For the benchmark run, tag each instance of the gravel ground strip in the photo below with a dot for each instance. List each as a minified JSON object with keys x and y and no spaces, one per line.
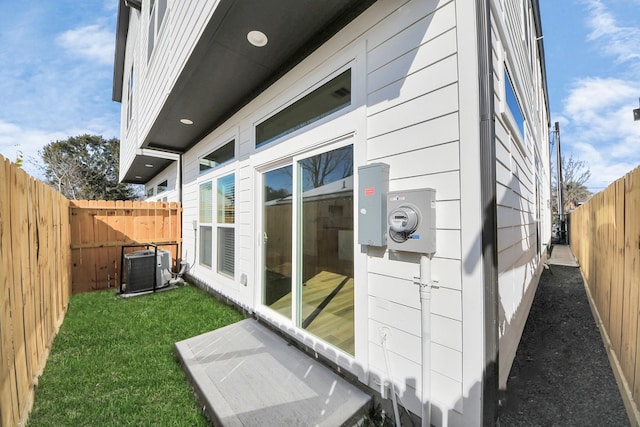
{"x":561,"y":375}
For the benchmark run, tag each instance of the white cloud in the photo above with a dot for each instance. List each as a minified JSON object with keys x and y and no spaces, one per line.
{"x":593,"y":95}
{"x":597,"y":123}
{"x":110,"y":5}
{"x":15,"y":139}
{"x":600,"y":129}
{"x":619,"y":41}
{"x":93,"y":42}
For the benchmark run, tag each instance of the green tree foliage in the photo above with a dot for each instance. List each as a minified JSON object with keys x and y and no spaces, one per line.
{"x":85,"y":168}
{"x":19,"y":159}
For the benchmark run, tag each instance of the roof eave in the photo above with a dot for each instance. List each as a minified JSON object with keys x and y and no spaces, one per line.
{"x":540,"y":43}
{"x":122,"y":30}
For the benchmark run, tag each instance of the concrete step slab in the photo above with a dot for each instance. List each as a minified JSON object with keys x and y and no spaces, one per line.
{"x":247,"y":375}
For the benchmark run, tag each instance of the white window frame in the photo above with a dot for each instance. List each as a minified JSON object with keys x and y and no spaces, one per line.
{"x":294,"y":321}
{"x":218,"y":224}
{"x":213,"y":176}
{"x":518,"y":135}
{"x":203,"y":223}
{"x":328,"y":118}
{"x":218,"y":147}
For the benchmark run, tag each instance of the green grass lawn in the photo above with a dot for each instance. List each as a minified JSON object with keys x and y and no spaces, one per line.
{"x":113,"y":363}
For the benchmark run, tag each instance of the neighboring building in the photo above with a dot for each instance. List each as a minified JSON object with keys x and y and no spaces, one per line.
{"x":262,"y":145}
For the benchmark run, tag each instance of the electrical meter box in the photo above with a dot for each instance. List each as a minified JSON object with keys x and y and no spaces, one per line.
{"x":411,"y":220}
{"x":373,"y":186}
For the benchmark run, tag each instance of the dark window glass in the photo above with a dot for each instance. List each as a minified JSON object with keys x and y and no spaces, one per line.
{"x":218,"y":157}
{"x":162,"y":187}
{"x":328,"y":98}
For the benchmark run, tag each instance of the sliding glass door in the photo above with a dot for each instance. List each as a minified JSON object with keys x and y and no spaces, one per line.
{"x":308,"y":244}
{"x":276,"y":239}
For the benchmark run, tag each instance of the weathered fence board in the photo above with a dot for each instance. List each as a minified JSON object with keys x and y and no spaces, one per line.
{"x":605,"y":237}
{"x":35,"y":282}
{"x":99,"y":229}
{"x":41,"y":235}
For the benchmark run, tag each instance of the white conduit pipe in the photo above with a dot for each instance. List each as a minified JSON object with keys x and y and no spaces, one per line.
{"x":383,"y":339}
{"x":425,"y":306}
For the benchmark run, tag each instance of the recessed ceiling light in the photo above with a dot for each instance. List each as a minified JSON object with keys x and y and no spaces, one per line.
{"x":149,"y":165}
{"x":186,"y":121}
{"x":138,"y":177}
{"x":257,"y":38}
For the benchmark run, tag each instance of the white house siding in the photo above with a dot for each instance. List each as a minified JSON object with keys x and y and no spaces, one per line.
{"x":414,"y":107}
{"x":519,"y":263}
{"x":183,"y":23}
{"x":169,"y":174}
{"x":413,"y":125}
{"x":128,"y":129}
{"x":405,"y":114}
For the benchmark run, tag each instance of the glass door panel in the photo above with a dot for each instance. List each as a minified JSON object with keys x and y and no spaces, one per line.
{"x":325,"y":246}
{"x":277,"y":239}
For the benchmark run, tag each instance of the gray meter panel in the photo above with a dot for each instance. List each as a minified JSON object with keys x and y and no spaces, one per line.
{"x":373,"y":186}
{"x":411,"y":220}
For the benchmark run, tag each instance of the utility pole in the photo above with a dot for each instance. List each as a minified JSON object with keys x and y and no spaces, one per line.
{"x":560,"y":185}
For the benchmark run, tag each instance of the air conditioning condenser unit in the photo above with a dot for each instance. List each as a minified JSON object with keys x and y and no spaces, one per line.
{"x":141,"y":268}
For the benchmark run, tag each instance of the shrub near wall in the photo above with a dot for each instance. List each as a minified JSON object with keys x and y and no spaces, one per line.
{"x":35,"y":284}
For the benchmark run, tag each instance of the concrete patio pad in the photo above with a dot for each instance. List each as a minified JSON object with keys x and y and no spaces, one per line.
{"x":247,"y":375}
{"x":562,"y":255}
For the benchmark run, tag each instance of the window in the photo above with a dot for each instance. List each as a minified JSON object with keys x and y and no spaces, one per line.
{"x":328,"y":98}
{"x":130,"y":99}
{"x":157,"y":10}
{"x":218,"y":157}
{"x":513,"y":104}
{"x":150,"y":192}
{"x":220,"y":228}
{"x":162,"y":187}
{"x":226,"y":199}
{"x":205,"y":217}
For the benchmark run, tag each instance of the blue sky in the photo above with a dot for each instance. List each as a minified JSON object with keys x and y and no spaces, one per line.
{"x":56,"y":76}
{"x":56,"y":70}
{"x":592,"y":51}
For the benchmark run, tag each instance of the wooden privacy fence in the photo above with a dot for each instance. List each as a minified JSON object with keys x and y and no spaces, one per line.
{"x":605,"y":238}
{"x":35,"y":284}
{"x":100,"y":228}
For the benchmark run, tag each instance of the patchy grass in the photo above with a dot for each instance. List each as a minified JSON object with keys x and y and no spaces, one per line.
{"x":113,"y":361}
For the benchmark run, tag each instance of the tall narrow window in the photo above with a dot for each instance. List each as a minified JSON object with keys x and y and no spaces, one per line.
{"x":328,"y":98}
{"x":157,"y":11}
{"x":513,"y":104}
{"x":226,"y":199}
{"x":130,"y":99}
{"x":205,"y":219}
